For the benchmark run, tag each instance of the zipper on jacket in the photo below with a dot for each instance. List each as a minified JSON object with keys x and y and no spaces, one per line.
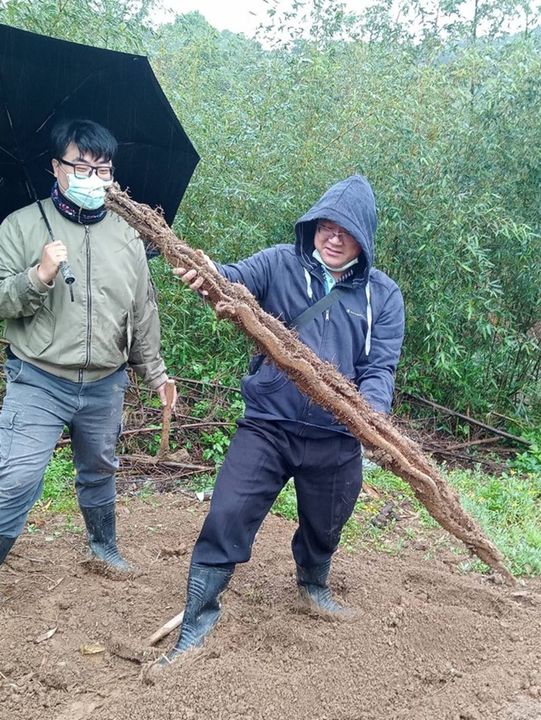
{"x":305,"y":413}
{"x":88,"y":299}
{"x":323,"y":338}
{"x":308,"y":403}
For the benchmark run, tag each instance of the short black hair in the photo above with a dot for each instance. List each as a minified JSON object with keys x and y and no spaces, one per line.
{"x":87,"y":135}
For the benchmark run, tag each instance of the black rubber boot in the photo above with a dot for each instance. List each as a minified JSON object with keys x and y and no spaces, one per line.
{"x":101,"y":528}
{"x":6,"y":543}
{"x":316,"y":594}
{"x":205,"y":585}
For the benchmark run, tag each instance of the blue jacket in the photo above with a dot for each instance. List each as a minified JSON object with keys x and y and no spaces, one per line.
{"x":361,"y":333}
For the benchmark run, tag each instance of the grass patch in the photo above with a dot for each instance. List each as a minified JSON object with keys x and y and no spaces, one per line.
{"x":58,"y":484}
{"x":508,"y":508}
{"x":285,"y":504}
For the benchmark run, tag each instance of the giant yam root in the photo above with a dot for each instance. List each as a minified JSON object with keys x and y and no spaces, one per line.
{"x":319,"y":380}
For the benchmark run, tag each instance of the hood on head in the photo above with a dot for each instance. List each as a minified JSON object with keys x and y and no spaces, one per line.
{"x":349,"y":203}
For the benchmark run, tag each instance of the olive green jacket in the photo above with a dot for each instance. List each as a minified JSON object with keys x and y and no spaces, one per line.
{"x":114,"y":317}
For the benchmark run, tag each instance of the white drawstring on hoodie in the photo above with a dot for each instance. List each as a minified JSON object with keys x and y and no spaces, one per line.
{"x":368,"y":340}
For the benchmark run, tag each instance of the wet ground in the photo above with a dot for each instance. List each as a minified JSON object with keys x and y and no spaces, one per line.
{"x":428,"y":643}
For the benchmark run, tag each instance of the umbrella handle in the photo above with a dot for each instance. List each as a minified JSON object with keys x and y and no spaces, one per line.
{"x":69,"y":277}
{"x":67,"y":272}
{"x":65,"y":269}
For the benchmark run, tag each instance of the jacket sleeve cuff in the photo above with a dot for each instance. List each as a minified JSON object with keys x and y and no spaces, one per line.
{"x":155,"y":383}
{"x":36,"y":283}
{"x":376,"y":404}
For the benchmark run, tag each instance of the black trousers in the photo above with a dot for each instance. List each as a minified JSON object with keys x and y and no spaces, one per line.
{"x":262,"y":457}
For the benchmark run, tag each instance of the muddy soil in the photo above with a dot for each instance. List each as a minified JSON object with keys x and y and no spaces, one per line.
{"x":428,"y":643}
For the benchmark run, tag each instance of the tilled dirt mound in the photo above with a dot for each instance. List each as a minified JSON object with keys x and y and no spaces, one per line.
{"x":429,"y":644}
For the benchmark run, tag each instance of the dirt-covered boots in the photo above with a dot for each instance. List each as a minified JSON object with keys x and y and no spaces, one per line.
{"x":6,"y":543}
{"x":101,"y":528}
{"x":315,"y":593}
{"x":205,"y":585}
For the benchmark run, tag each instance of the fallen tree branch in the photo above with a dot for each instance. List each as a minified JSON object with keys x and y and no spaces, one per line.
{"x":319,"y":380}
{"x":156,"y":428}
{"x":155,"y":460}
{"x":466,"y":418}
{"x":191,"y":381}
{"x":472,"y":443}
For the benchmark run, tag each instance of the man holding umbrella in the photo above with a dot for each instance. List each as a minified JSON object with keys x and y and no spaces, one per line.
{"x":68,"y":351}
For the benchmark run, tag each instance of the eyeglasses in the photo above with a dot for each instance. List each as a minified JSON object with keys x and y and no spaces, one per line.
{"x":80,"y":170}
{"x":328,"y":232}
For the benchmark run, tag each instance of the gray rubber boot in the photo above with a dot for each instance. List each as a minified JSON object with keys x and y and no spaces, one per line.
{"x":205,"y":585}
{"x":6,"y":543}
{"x":101,"y":528}
{"x":316,"y":594}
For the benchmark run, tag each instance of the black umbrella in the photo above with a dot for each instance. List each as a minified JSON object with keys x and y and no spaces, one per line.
{"x":43,"y":80}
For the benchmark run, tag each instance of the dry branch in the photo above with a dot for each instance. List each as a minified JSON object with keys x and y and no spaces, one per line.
{"x":319,"y":380}
{"x":164,"y":630}
{"x":468,"y":419}
{"x":166,"y":421}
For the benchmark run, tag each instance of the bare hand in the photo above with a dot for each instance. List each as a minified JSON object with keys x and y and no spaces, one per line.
{"x":162,"y":392}
{"x":190,"y":278}
{"x":53,"y":254}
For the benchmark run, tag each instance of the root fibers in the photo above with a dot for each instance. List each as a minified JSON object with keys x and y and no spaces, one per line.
{"x":319,"y":380}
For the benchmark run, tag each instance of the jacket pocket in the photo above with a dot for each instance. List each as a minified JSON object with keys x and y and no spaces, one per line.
{"x":267,"y":379}
{"x":122,"y":332}
{"x":7,"y":422}
{"x":129,"y":329}
{"x":41,"y":331}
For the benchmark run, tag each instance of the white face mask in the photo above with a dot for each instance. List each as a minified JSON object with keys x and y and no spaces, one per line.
{"x":320,"y":260}
{"x":87,"y":193}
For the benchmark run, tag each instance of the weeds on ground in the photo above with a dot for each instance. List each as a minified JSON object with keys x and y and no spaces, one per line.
{"x":508,"y":508}
{"x":285,"y":504}
{"x":215,"y":445}
{"x":58,"y":484}
{"x":359,"y":530}
{"x":529,"y":462}
{"x":58,"y":495}
{"x":202,"y":482}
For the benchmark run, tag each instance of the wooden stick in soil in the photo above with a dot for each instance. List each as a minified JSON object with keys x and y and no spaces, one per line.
{"x":164,"y":630}
{"x":166,"y":418}
{"x":142,"y":652}
{"x":317,"y":379}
